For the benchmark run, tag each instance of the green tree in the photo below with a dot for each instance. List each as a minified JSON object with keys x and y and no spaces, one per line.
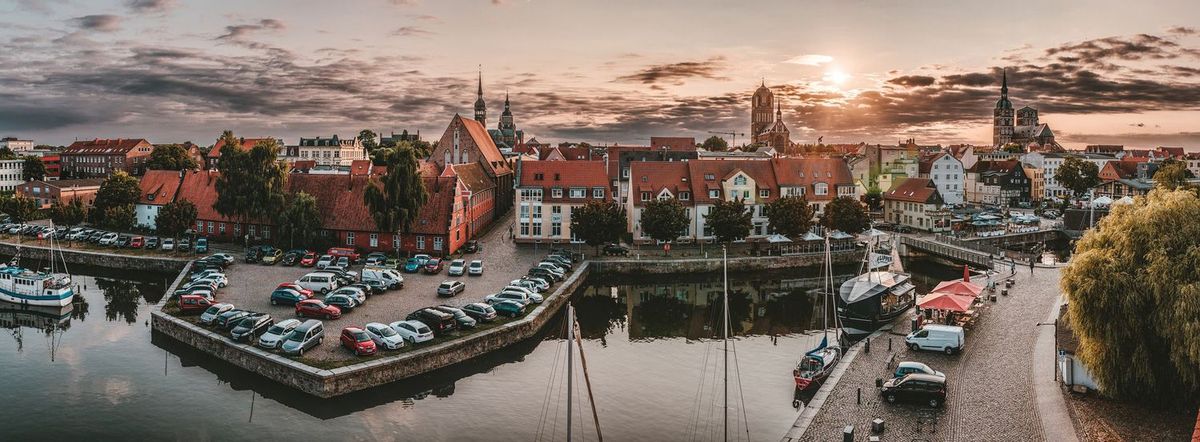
{"x":119,"y":217}
{"x":397,"y":197}
{"x":170,"y":157}
{"x":300,"y":221}
{"x":368,"y":140}
{"x":1133,"y":287}
{"x":175,"y":218}
{"x":1013,"y":148}
{"x":728,"y":220}
{"x":252,"y":182}
{"x":20,"y":208}
{"x":664,"y":219}
{"x":118,"y":190}
{"x":845,"y":214}
{"x":33,"y":168}
{"x":790,"y":216}
{"x":69,"y":214}
{"x":715,"y":144}
{"x":7,"y":154}
{"x":874,"y":198}
{"x":1078,"y":175}
{"x":598,"y":222}
{"x":1172,"y":175}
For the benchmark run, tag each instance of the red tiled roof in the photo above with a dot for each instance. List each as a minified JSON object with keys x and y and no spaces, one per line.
{"x":360,"y":167}
{"x":673,"y":143}
{"x":473,"y":176}
{"x":805,"y":172}
{"x":200,"y":187}
{"x":913,"y":190}
{"x":1173,"y":152}
{"x":304,"y":165}
{"x":565,"y":174}
{"x":159,"y":187}
{"x":244,"y":144}
{"x":98,"y":146}
{"x":340,"y":200}
{"x":654,"y":176}
{"x":993,"y":166}
{"x":1124,"y":169}
{"x":762,"y":172}
{"x":496,"y":164}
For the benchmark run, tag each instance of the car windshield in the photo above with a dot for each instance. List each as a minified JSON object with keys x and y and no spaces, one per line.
{"x":386,"y":332}
{"x":295,"y":336}
{"x":248,"y":321}
{"x":277,"y":329}
{"x":476,"y":264}
{"x":360,"y":336}
{"x":446,"y":285}
{"x":213,"y":310}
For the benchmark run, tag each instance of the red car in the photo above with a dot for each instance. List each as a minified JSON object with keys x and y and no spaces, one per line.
{"x":193,"y":303}
{"x":433,"y":266}
{"x":137,"y":242}
{"x":315,"y":308}
{"x":309,"y":259}
{"x":358,"y":341}
{"x":337,"y":252}
{"x":291,"y":285}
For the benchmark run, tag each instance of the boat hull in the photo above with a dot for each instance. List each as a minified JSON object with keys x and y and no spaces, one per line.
{"x":59,"y":299}
{"x":856,"y":325}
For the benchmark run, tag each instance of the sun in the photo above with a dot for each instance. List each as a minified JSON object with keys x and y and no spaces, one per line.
{"x":836,"y":77}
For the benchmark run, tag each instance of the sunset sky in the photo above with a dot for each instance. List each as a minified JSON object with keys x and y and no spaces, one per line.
{"x":611,"y":71}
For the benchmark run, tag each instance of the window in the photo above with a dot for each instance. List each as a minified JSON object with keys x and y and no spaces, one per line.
{"x":221,"y":228}
{"x":437,"y":243}
{"x":537,"y":229}
{"x":597,"y":192}
{"x":350,"y":238}
{"x":524,"y":228}
{"x":624,"y":172}
{"x":252,"y":231}
{"x":714,"y":193}
{"x":210,"y":227}
{"x":645,"y":196}
{"x":739,"y":180}
{"x":556,"y":229}
{"x":764,"y":193}
{"x":556,"y":193}
{"x":267,"y":232}
{"x":821,"y":189}
{"x":684,"y":196}
{"x":420,"y":242}
{"x":578,"y":192}
{"x":374,"y":240}
{"x":537,"y":212}
{"x":709,"y":177}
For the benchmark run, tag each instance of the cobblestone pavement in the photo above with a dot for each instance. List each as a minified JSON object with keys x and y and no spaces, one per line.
{"x":990,"y":393}
{"x":250,"y":287}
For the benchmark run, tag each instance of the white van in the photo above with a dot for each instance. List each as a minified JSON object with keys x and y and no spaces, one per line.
{"x":946,"y":338}
{"x":318,"y":282}
{"x":389,"y":277}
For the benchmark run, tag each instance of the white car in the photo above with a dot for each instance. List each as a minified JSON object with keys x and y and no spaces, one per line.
{"x":415,"y":332}
{"x":213,"y":311}
{"x":529,"y":284}
{"x":109,"y":239}
{"x":325,"y":261}
{"x":457,"y":268}
{"x":224,"y":257}
{"x":522,"y":298}
{"x":475,"y":268}
{"x":384,"y":336}
{"x":277,"y":333}
{"x":217,"y":278}
{"x":533,"y":295}
{"x":167,"y":244}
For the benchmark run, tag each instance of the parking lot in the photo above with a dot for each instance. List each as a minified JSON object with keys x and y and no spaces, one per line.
{"x":250,"y":287}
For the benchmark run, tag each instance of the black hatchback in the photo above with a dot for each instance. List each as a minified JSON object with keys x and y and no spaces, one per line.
{"x":916,"y":387}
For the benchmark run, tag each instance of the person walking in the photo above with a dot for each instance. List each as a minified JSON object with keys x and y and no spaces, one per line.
{"x":1031,"y":266}
{"x":1012,"y":267}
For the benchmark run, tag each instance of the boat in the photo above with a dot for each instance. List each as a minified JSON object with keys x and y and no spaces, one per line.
{"x":818,"y":363}
{"x":875,"y":297}
{"x":49,"y":288}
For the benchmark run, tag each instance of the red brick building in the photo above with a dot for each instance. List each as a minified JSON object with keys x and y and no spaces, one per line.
{"x":100,"y":158}
{"x":466,"y":141}
{"x":214,"y":154}
{"x":46,"y":193}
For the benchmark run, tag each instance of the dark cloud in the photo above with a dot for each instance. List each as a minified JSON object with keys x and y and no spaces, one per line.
{"x":1103,"y":53}
{"x":99,"y":22}
{"x":913,"y":80}
{"x":149,"y":6}
{"x":676,"y":73}
{"x":1185,"y":139}
{"x":236,"y":32}
{"x":411,"y":31}
{"x":1182,"y":30}
{"x":974,"y":79}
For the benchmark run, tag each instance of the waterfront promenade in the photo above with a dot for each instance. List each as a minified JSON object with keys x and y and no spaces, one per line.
{"x":991,"y":385}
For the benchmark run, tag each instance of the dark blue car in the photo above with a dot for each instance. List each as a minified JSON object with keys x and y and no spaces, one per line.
{"x":286,"y":297}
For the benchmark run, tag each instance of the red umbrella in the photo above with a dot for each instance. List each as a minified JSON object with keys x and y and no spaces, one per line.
{"x":958,"y":288}
{"x":945,"y":301}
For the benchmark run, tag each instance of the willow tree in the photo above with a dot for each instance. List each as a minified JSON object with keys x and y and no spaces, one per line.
{"x":252,"y":182}
{"x":397,"y":197}
{"x":1134,"y":290}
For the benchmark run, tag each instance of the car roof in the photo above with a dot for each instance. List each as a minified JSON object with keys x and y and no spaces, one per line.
{"x":307,"y":325}
{"x":924,"y":377}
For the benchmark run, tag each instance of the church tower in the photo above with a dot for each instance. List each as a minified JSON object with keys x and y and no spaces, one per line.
{"x":1002,"y":115}
{"x":777,"y":136}
{"x":506,"y":118}
{"x":480,"y":106}
{"x":760,"y":113}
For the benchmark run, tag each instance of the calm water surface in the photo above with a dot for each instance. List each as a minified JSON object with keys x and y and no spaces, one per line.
{"x":96,"y":370}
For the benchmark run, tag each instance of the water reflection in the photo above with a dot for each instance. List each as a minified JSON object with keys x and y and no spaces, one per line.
{"x":122,"y":298}
{"x":49,"y":322}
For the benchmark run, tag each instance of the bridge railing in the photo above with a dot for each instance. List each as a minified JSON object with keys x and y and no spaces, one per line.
{"x":991,"y":250}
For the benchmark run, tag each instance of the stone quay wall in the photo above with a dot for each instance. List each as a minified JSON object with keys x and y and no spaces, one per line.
{"x":160,"y":264}
{"x":652,"y":266}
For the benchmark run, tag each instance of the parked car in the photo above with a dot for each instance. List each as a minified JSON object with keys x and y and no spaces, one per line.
{"x":508,"y":296}
{"x":412,"y":265}
{"x":291,"y":257}
{"x":305,"y":336}
{"x":437,"y":321}
{"x":318,"y":282}
{"x":364,"y":289}
{"x":296,"y":287}
{"x":616,"y":250}
{"x":415,"y":332}
{"x":358,"y":341}
{"x":907,"y":367}
{"x":450,"y":288}
{"x":213,"y":311}
{"x":183,"y":244}
{"x":277,"y":332}
{"x":229,"y":319}
{"x":480,"y":311}
{"x":343,"y":276}
{"x":191,"y":304}
{"x":473,"y":247}
{"x":553,"y":267}
{"x":545,"y":274}
{"x":342,"y":261}
{"x":388,"y":277}
{"x":324,"y":261}
{"x":543,"y":284}
{"x":152,"y":243}
{"x":250,"y":327}
{"x":342,"y":301}
{"x":350,"y":254}
{"x":945,"y":338}
{"x":475,"y":268}
{"x":462,"y":318}
{"x":509,"y":308}
{"x":286,"y":296}
{"x":535,"y":285}
{"x":216,"y":279}
{"x":202,"y":245}
{"x":457,"y":268}
{"x":253,"y":255}
{"x":384,"y":336}
{"x":562,"y":261}
{"x":915,"y":387}
{"x":433,"y":266}
{"x":533,"y":295}
{"x":271,"y":256}
{"x":315,"y":308}
{"x":222,"y":257}
{"x":137,"y":242}
{"x":392,"y":262}
{"x":309,"y":259}
{"x":109,"y":239}
{"x":376,"y":286}
{"x":422,"y":259}
{"x":376,"y":259}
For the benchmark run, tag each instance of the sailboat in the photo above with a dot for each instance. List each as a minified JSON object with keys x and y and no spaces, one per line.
{"x":51,"y":288}
{"x":573,"y":340}
{"x":817,"y":363}
{"x":875,"y":297}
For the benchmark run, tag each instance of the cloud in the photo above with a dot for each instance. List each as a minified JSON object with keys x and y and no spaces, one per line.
{"x":1186,"y":139}
{"x":913,"y":80}
{"x":405,"y":2}
{"x":411,"y":31}
{"x":425,"y":17}
{"x":676,"y":73}
{"x":149,"y":6}
{"x":236,"y":32}
{"x":99,"y":22}
{"x":1181,"y":30}
{"x":1102,"y":53}
{"x":810,"y":60}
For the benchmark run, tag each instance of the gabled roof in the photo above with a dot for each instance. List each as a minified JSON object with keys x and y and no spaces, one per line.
{"x":200,"y":188}
{"x":653,"y":176}
{"x":1172,"y":152}
{"x":159,"y":187}
{"x":243,"y":144}
{"x":97,"y":146}
{"x":762,"y":172}
{"x":472,"y":176}
{"x":1124,"y":169}
{"x":360,"y":167}
{"x":986,"y":166}
{"x":805,"y":172}
{"x":340,"y":201}
{"x":914,"y":190}
{"x":494,"y":161}
{"x":564,"y":174}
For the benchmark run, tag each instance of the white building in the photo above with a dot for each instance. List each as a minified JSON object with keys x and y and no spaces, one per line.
{"x":16,"y":145}
{"x":1049,"y":163}
{"x":11,"y":174}
{"x":915,"y":203}
{"x":331,"y":151}
{"x":948,"y":176}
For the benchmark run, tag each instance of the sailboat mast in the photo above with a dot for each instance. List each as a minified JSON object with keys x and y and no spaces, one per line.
{"x":725,"y":330}
{"x":570,"y":351}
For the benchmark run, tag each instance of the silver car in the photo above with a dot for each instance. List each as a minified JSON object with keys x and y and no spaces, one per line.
{"x":385,"y":337}
{"x":275,"y":335}
{"x":213,"y":311}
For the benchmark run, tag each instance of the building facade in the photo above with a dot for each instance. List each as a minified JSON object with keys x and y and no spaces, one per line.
{"x":100,"y":158}
{"x":766,"y":129}
{"x":548,"y":193}
{"x":467,"y":141}
{"x":997,"y":183}
{"x":1020,"y":126}
{"x":17,"y":145}
{"x":213,"y":158}
{"x":12,"y":174}
{"x":47,"y":193}
{"x":916,"y":203}
{"x":332,"y":151}
{"x":158,"y":188}
{"x":947,"y":174}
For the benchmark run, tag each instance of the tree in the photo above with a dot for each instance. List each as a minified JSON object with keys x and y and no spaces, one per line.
{"x":715,"y":144}
{"x":1133,"y":286}
{"x":397,"y":197}
{"x":1172,"y":175}
{"x":300,"y":221}
{"x":367,"y":138}
{"x":874,"y":198}
{"x":664,"y":219}
{"x":728,"y":220}
{"x":1078,"y":175}
{"x":845,"y":214}
{"x":69,"y":214}
{"x":119,"y":217}
{"x":598,"y":222}
{"x":170,"y":157}
{"x":252,"y":183}
{"x":1013,"y":148}
{"x":790,"y":216}
{"x":7,"y":154}
{"x":175,"y":218}
{"x":33,"y":169}
{"x":20,"y":208}
{"x":118,"y":190}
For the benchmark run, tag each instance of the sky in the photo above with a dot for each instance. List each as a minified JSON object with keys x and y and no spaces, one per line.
{"x":615,"y":71}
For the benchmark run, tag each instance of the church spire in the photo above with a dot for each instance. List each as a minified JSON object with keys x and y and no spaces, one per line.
{"x":480,"y":106}
{"x":778,"y":112}
{"x":1004,"y":83}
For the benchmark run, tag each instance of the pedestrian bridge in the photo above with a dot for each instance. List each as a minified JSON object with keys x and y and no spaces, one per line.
{"x":974,"y":254}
